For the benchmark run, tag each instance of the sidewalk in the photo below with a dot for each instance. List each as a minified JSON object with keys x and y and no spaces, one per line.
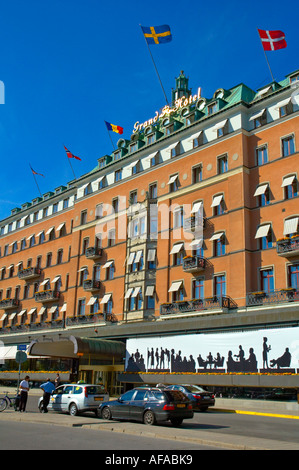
{"x":166,"y":431}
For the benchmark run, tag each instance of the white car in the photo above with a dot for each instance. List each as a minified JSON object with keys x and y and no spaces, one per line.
{"x":76,"y":398}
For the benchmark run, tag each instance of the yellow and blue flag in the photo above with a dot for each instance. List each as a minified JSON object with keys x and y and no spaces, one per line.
{"x":157,"y":34}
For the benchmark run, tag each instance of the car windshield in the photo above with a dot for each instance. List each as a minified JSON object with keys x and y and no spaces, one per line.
{"x":176,"y":395}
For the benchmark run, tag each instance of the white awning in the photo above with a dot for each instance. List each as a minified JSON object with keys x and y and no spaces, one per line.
{"x":31,"y":311}
{"x":131,"y":258}
{"x":53,"y":309}
{"x":63,"y":308}
{"x":14,"y":243}
{"x":136,"y":291}
{"x":39,"y":233}
{"x":131,"y":165}
{"x":151,"y":255}
{"x":217,"y":200}
{"x":175,"y":286}
{"x":3,"y":316}
{"x":196,"y":207}
{"x":22,"y":313}
{"x":195,"y":136}
{"x":216,"y":236}
{"x":44,"y":282}
{"x":138,"y":256}
{"x":172,"y":146}
{"x":283,"y":103}
{"x":82,"y":269}
{"x":196,"y":242}
{"x":176,"y":248}
{"x":150,"y":290}
{"x":287,"y":180}
{"x":257,"y":115}
{"x":263,"y":91}
{"x":19,"y":264}
{"x":12,"y":315}
{"x":60,"y":227}
{"x":262,"y":231}
{"x":290,"y":226}
{"x":261,"y":189}
{"x":29,"y":238}
{"x":92,"y":301}
{"x":55,"y":279}
{"x":42,"y":310}
{"x":129,"y":292}
{"x":220,"y":125}
{"x":95,"y":183}
{"x":172,"y":179}
{"x":108,"y":264}
{"x":152,"y":155}
{"x":50,"y":230}
{"x":106,"y":298}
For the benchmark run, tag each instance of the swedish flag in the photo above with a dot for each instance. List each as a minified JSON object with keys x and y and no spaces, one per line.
{"x":157,"y":34}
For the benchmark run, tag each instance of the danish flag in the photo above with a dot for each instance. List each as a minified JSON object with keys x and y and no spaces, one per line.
{"x":272,"y":40}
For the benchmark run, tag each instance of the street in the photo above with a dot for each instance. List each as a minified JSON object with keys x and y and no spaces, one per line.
{"x":211,"y":430}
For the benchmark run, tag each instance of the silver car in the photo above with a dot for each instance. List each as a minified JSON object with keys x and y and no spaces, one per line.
{"x":76,"y":398}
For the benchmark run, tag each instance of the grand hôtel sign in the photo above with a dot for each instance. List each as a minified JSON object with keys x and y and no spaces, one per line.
{"x":167,"y":111}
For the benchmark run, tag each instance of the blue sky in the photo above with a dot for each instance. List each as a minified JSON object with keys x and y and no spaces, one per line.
{"x":69,"y":65}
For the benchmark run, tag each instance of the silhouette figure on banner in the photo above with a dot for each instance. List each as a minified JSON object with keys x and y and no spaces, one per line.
{"x":282,"y":361}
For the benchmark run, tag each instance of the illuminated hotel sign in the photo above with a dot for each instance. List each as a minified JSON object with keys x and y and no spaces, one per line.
{"x":167,"y":111}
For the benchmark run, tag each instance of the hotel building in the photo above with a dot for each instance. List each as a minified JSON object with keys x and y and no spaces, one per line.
{"x":176,"y":259}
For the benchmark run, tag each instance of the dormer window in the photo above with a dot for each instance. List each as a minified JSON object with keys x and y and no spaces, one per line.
{"x":212,"y":108}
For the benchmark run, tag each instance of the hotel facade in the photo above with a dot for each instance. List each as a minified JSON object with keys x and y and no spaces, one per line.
{"x":175,"y":260}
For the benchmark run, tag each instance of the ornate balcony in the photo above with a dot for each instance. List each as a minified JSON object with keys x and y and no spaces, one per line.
{"x":288,"y":247}
{"x":93,"y":252}
{"x":194,"y":223}
{"x":91,"y":285}
{"x":47,"y":295}
{"x":272,"y":298}
{"x":29,"y":273}
{"x":85,"y":319}
{"x":6,"y":304}
{"x":195,"y":305}
{"x":193,"y":264}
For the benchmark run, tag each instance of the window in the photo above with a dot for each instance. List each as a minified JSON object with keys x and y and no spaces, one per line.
{"x":196,"y":174}
{"x":133,"y":147}
{"x":220,"y":285}
{"x":212,"y":108}
{"x":88,"y":189}
{"x":262,"y":193}
{"x":150,"y":297}
{"x":197,"y":288}
{"x":288,"y":146}
{"x":96,"y":272}
{"x":55,"y":207}
{"x":115,"y":205}
{"x":179,"y":294}
{"x":26,"y":291}
{"x":151,"y":259}
{"x":83,"y":275}
{"x":45,"y":212}
{"x":49,"y":260}
{"x":111,"y":237}
{"x":153,"y":191}
{"x":133,"y":197}
{"x":23,"y":244}
{"x":83,"y":218}
{"x":151,"y":139}
{"x":99,"y":211}
{"x":39,"y":262}
{"x":65,"y":203}
{"x":178,"y":217}
{"x":266,"y":241}
{"x":198,"y":140}
{"x":14,"y":247}
{"x":219,"y":246}
{"x":118,"y":175}
{"x":222,"y":165}
{"x":290,"y":186}
{"x":262,"y":155}
{"x":173,"y":183}
{"x":81,"y":307}
{"x":59,"y":256}
{"x":218,"y":205}
{"x":94,"y":308}
{"x":11,"y":271}
{"x":32,"y":241}
{"x":42,"y":237}
{"x":109,"y":270}
{"x":293,"y":276}
{"x":137,"y":264}
{"x":267,"y":280}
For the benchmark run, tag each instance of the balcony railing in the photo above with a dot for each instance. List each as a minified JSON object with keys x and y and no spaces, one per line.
{"x":85,"y":319}
{"x":194,"y":223}
{"x":274,"y":298}
{"x":288,"y":247}
{"x":29,"y":273}
{"x":47,"y":295}
{"x":184,"y":306}
{"x":91,"y":285}
{"x":193,"y":264}
{"x":6,"y":304}
{"x":93,"y":252}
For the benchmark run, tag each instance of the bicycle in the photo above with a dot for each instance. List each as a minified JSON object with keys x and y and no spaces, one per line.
{"x":8,"y":401}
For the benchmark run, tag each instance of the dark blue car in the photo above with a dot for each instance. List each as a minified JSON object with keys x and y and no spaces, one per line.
{"x":149,"y":406}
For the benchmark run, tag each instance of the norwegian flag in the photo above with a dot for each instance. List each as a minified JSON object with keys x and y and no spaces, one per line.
{"x":70,"y":155}
{"x":272,"y":40}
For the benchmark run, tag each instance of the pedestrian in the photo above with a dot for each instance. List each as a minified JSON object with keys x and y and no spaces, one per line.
{"x":48,"y":388}
{"x":57,"y":381}
{"x":24,"y":389}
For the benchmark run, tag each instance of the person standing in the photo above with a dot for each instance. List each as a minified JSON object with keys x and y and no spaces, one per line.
{"x":57,"y":381}
{"x":24,"y":389}
{"x":48,"y":388}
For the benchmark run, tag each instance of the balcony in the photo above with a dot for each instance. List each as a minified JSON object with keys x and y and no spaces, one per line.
{"x":272,"y":298}
{"x":192,"y":264}
{"x":93,"y":252}
{"x":6,"y":304}
{"x":85,"y":319}
{"x":29,"y":273}
{"x":195,"y":305}
{"x":47,"y":295}
{"x":288,"y":247}
{"x":91,"y":285}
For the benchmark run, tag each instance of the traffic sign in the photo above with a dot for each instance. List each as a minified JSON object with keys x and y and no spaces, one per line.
{"x":21,"y":347}
{"x":21,"y":357}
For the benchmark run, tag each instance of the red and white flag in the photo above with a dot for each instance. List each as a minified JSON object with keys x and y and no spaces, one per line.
{"x":70,"y":155}
{"x":272,"y":40}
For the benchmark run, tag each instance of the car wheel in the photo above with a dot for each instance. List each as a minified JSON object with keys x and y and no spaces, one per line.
{"x":176,"y":421}
{"x":149,"y":417}
{"x":73,"y":410}
{"x":106,"y":413}
{"x":40,"y":407}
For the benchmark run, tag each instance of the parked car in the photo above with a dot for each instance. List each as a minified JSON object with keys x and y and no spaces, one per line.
{"x":76,"y":398}
{"x":200,"y":398}
{"x":149,"y":405}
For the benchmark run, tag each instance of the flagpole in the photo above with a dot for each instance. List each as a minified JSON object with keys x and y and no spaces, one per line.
{"x":110,"y":137}
{"x":35,"y":181}
{"x":155,"y":68}
{"x":71,"y":167}
{"x":266,"y":57}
